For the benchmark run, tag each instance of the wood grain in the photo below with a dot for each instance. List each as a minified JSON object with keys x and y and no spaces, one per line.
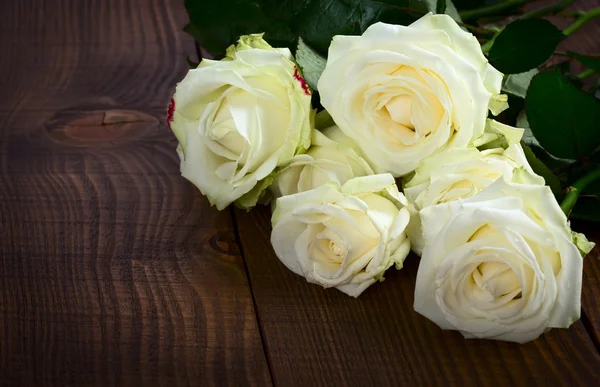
{"x":316,"y":336}
{"x":113,"y":269}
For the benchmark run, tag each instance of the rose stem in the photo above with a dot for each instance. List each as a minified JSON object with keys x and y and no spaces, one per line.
{"x":488,"y":45}
{"x":492,"y":9}
{"x":549,"y":9}
{"x":585,"y":74}
{"x":478,"y":30}
{"x":580,"y":22}
{"x":573,"y":191}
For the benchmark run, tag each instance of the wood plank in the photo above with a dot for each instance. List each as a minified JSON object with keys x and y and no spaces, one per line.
{"x":113,"y":269}
{"x":315,"y":336}
{"x":590,"y":297}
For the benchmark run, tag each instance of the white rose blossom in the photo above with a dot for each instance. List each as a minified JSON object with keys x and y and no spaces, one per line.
{"x":404,"y":92}
{"x":500,"y":264}
{"x":458,"y":173}
{"x":331,"y":157}
{"x":238,"y":119}
{"x":344,"y":237}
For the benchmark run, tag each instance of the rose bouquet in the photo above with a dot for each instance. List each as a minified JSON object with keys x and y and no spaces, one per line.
{"x":374,"y":128}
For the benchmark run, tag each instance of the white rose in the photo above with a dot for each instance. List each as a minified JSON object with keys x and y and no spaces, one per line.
{"x":326,"y":160}
{"x":458,"y":173}
{"x":238,"y":119}
{"x":403,"y":92}
{"x":344,"y":237}
{"x":500,"y":264}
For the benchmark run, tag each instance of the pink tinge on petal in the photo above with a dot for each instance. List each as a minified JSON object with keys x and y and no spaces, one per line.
{"x":302,"y":81}
{"x":170,"y":112}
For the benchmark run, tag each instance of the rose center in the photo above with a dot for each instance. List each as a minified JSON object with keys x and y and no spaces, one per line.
{"x":497,"y":279}
{"x":224,"y":133}
{"x":339,"y":251}
{"x":233,"y":142}
{"x":328,"y":247}
{"x":399,"y":110}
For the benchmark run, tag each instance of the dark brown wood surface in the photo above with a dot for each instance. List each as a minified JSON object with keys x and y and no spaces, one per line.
{"x":590,"y":298}
{"x":315,"y":334}
{"x":114,"y":270}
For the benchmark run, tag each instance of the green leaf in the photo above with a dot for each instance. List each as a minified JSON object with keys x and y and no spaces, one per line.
{"x":285,"y":10}
{"x":517,"y":84}
{"x":594,"y":89}
{"x":311,"y":62}
{"x":564,"y":119}
{"x":528,"y":137}
{"x":441,"y":6}
{"x":560,"y":167}
{"x":432,"y":6}
{"x":524,"y":45}
{"x":216,"y":24}
{"x":320,"y":20}
{"x":552,"y":162}
{"x":452,"y":11}
{"x":564,"y":68}
{"x":541,"y":169}
{"x":591,"y":62}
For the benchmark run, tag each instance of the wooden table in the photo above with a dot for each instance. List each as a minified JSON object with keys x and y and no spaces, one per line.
{"x":114,"y":270}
